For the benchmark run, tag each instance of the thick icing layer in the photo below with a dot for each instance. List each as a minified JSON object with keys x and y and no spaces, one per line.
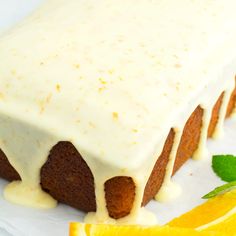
{"x":112,"y":77}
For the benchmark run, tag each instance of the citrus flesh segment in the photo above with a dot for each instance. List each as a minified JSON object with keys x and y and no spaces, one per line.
{"x":228,"y":226}
{"x":209,"y":211}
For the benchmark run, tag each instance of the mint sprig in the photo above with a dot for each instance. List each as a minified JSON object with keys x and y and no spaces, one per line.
{"x":220,"y":190}
{"x":224,"y":167}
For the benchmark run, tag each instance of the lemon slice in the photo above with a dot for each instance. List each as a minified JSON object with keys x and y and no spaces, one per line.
{"x":80,"y":229}
{"x":214,"y":210}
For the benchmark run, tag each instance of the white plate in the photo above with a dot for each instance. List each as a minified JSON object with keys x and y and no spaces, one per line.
{"x":196,"y":177}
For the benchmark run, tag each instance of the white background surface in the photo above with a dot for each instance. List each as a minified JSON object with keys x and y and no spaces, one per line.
{"x":196,"y":177}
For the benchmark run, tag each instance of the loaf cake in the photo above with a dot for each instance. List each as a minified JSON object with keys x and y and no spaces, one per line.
{"x":102,"y":101}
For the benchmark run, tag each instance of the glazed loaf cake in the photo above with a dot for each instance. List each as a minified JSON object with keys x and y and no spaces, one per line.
{"x":100,"y":104}
{"x":68,"y":179}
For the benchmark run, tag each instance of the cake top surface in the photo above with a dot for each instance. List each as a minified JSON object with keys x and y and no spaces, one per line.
{"x":112,"y":76}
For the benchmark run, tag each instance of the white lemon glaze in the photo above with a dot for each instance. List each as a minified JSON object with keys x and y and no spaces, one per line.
{"x":112,"y":77}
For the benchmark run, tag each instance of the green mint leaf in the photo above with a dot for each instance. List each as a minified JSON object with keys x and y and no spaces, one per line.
{"x":225,"y":167}
{"x":220,"y":190}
